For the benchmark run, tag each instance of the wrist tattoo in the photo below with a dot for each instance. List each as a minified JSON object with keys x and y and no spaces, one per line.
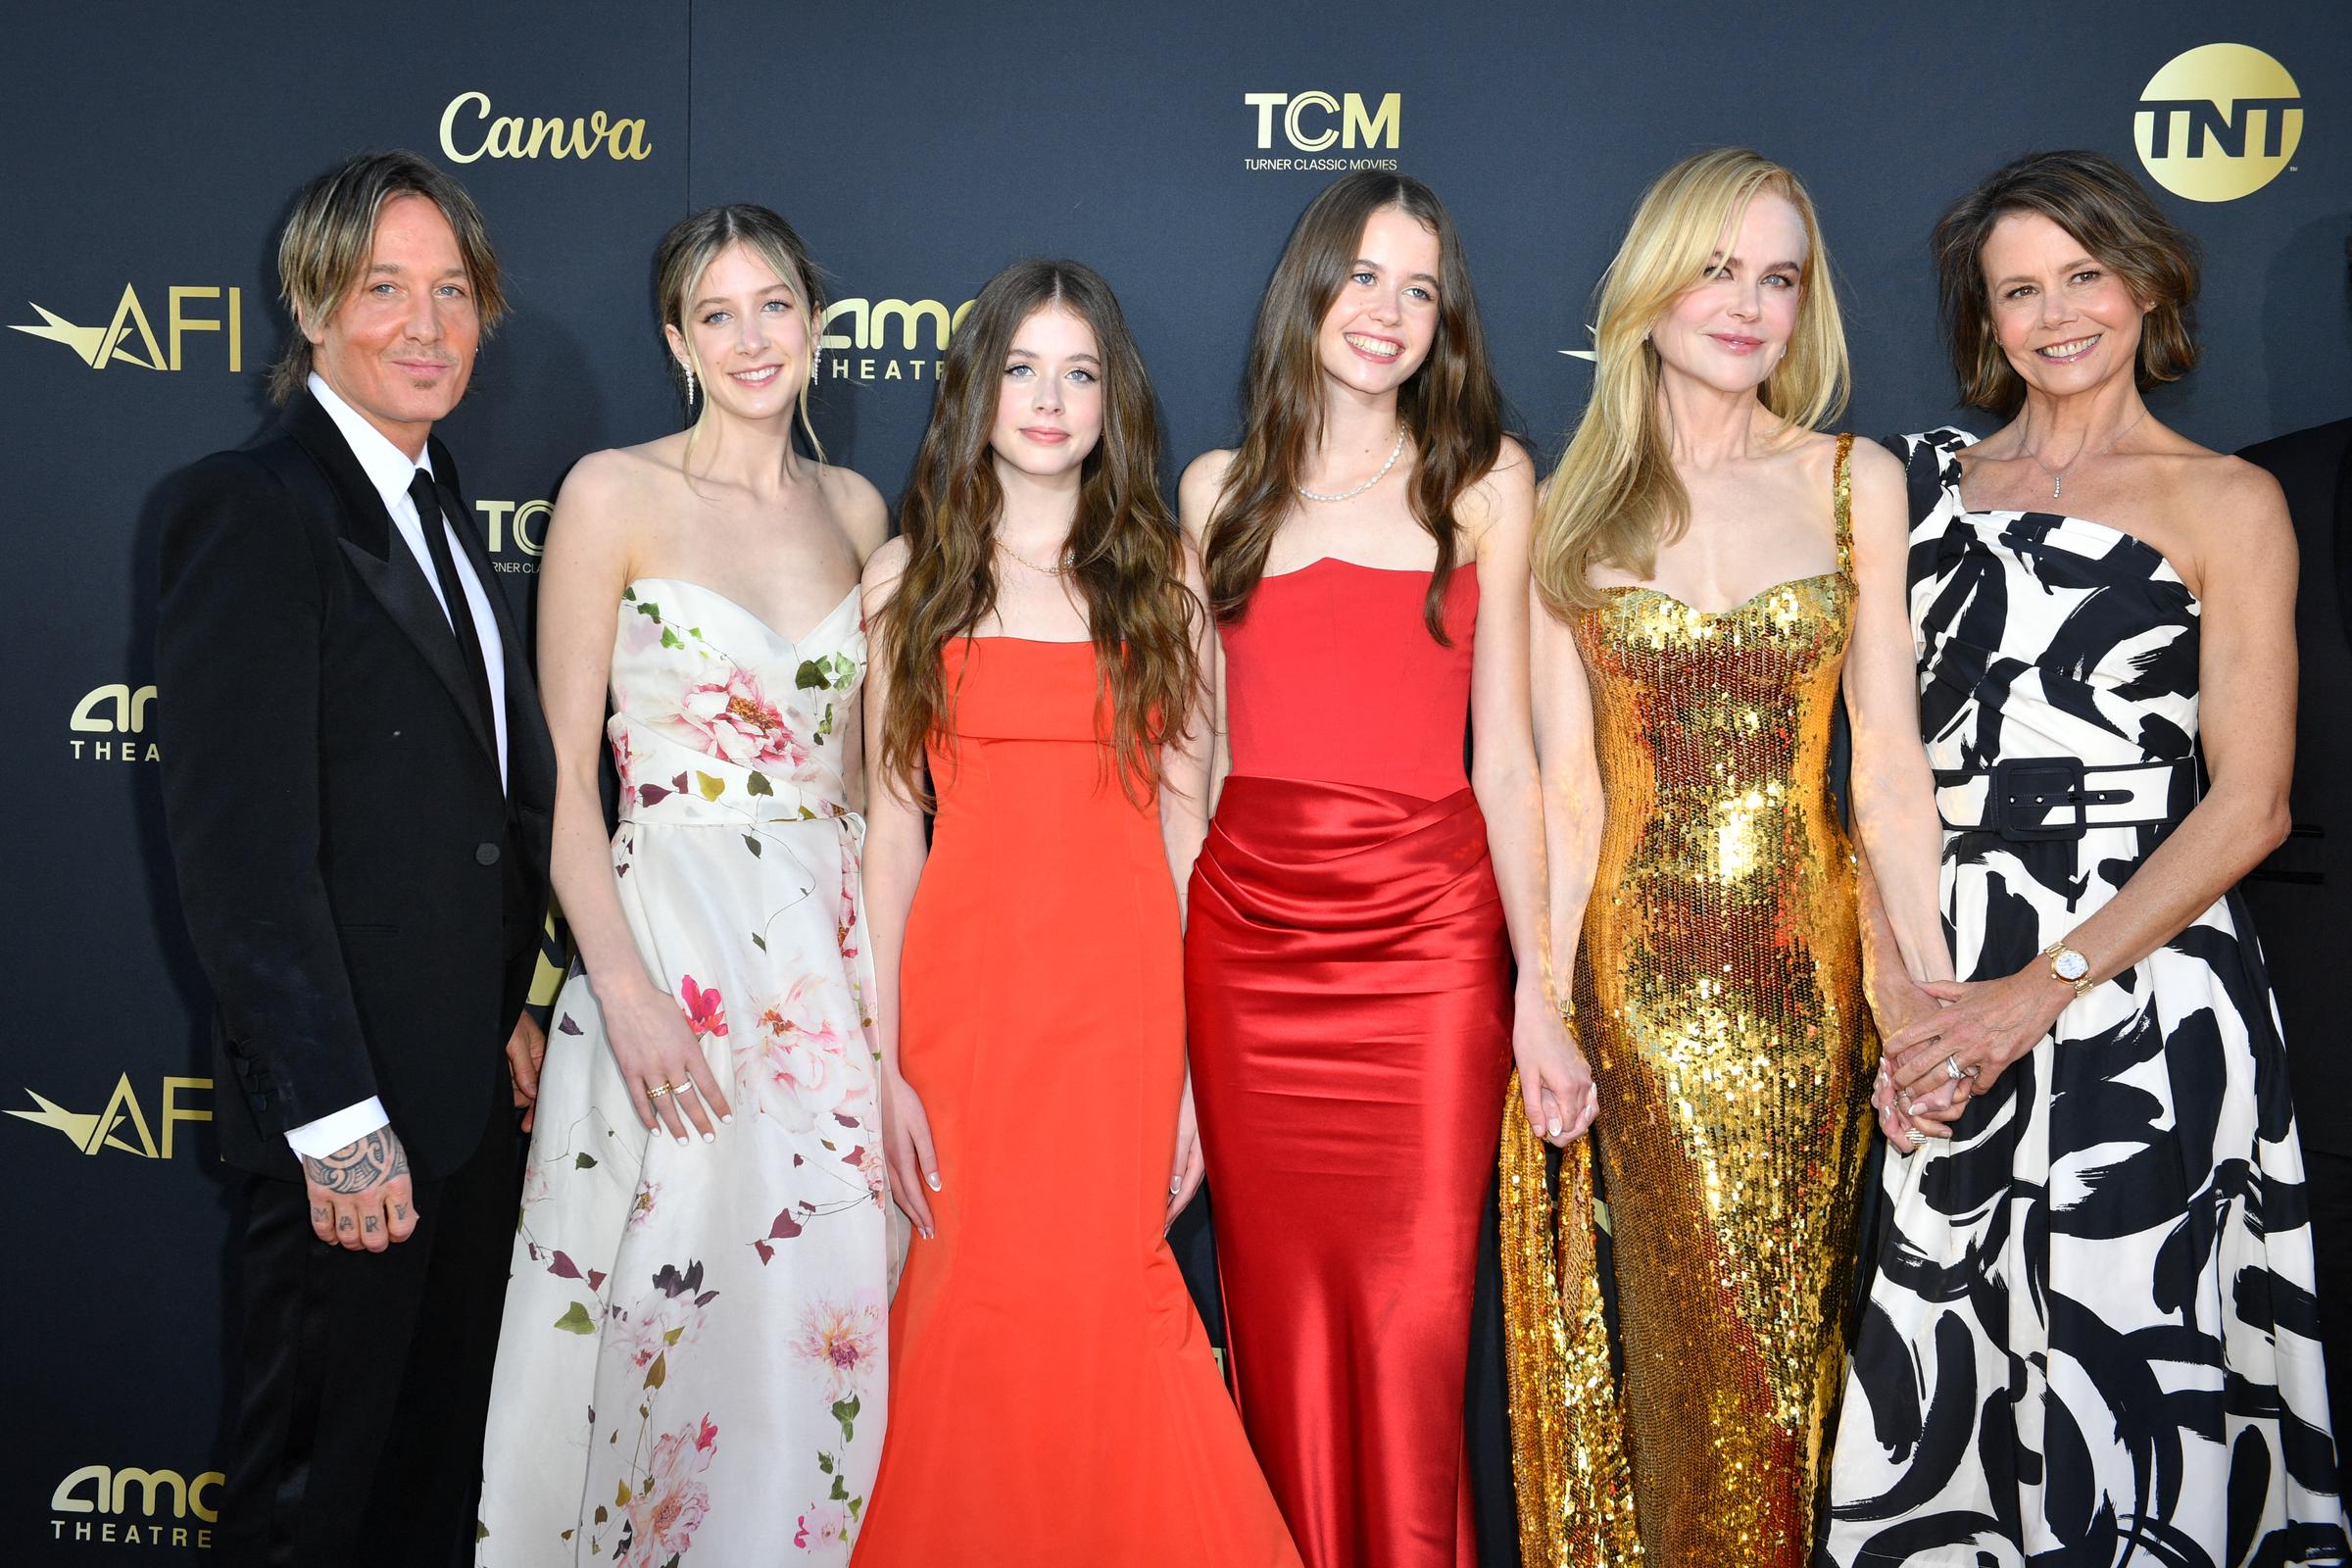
{"x":355,"y":1167}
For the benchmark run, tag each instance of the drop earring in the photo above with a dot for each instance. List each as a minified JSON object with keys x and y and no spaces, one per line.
{"x":689,"y":369}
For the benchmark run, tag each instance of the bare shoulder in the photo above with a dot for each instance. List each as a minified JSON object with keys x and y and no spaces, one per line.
{"x":1504,"y":494}
{"x":857,"y":505}
{"x":1197,"y":490}
{"x":2233,"y":507}
{"x":883,"y":569}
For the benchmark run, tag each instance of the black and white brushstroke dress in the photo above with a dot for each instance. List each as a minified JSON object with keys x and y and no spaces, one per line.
{"x":2091,"y":1339}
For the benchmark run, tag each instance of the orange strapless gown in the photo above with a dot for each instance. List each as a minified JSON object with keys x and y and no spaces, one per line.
{"x":1053,"y":1399}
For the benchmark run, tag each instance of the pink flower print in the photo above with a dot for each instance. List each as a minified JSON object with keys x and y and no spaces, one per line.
{"x":703,"y":1010}
{"x":870,"y":1165}
{"x":735,"y":721}
{"x":672,"y":1503}
{"x":640,"y":1207}
{"x":797,"y":1066}
{"x":842,"y":1338}
{"x":821,"y":1524}
{"x":655,"y":1319}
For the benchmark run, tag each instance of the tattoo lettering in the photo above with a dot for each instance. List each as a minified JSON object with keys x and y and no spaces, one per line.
{"x":355,"y":1167}
{"x":399,"y":1211}
{"x":343,"y":1223}
{"x":372,"y":1224}
{"x":317,"y":1214}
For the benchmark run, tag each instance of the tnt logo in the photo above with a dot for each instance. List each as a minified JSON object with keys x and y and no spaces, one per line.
{"x":1313,"y":120}
{"x":114,"y":708}
{"x":2217,"y":123}
{"x":102,"y":1496}
{"x":114,"y":343}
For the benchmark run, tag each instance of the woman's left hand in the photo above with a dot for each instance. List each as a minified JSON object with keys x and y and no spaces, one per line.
{"x":1984,"y":1026}
{"x":1184,"y":1176}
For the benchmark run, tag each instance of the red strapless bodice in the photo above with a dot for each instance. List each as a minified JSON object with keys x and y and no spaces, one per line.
{"x":1333,"y":678}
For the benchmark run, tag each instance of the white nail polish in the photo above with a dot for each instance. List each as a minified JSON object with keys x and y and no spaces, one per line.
{"x":709,"y":1138}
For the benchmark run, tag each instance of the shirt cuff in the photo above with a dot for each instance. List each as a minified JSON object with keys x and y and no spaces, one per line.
{"x":339,"y":1129}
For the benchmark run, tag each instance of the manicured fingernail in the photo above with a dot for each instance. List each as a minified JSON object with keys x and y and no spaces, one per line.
{"x":727,"y":1120}
{"x":1555,"y":1127}
{"x":681,"y":1141}
{"x":931,"y":1180}
{"x":709,"y":1138}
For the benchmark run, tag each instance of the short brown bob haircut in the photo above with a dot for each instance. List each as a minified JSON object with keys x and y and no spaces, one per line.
{"x":327,"y":239}
{"x":2096,"y":200}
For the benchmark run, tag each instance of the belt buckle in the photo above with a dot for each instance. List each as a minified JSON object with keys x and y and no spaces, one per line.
{"x":2023,"y":790}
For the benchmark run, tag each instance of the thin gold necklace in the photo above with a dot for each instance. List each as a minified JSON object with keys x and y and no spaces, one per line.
{"x":2058,"y":474}
{"x":1011,"y":554}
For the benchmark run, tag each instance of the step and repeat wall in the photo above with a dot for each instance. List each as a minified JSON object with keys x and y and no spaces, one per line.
{"x":151,"y":153}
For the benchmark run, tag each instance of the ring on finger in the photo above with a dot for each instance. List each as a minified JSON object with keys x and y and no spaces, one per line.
{"x":686,"y":1088}
{"x":1952,"y":1068}
{"x":656,"y":1091}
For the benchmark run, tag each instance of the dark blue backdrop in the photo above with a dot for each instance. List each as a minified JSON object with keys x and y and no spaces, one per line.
{"x":151,"y":152}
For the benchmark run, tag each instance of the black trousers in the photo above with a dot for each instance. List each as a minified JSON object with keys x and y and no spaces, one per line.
{"x":366,"y":1375}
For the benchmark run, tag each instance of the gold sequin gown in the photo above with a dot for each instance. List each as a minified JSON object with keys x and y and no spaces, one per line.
{"x":1719,"y":998}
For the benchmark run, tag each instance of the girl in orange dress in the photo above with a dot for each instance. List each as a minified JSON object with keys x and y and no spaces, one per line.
{"x":1038,"y":647}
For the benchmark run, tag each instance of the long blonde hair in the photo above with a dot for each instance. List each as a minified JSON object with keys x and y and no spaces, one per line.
{"x":686,"y":252}
{"x":1614,"y":498}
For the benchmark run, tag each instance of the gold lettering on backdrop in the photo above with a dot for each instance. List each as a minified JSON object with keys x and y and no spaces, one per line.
{"x":100,"y":346}
{"x":525,"y":517}
{"x":122,"y":1119}
{"x":130,"y":709}
{"x":110,"y":1493}
{"x":1359,"y":125}
{"x":180,"y":323}
{"x":622,"y":139}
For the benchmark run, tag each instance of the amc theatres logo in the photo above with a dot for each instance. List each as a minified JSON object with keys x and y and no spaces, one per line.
{"x":1315,"y":122}
{"x":128,"y":335}
{"x":113,"y":710}
{"x":122,"y":1125}
{"x":918,"y":329}
{"x":2217,"y":123}
{"x":134,"y":1508}
{"x":467,"y":123}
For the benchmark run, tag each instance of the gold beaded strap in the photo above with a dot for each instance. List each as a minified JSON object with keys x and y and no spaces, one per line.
{"x":1843,"y":504}
{"x":1568,"y":1454}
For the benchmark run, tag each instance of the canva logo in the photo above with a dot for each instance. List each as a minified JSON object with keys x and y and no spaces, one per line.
{"x":129,"y":336}
{"x":127,"y":1505}
{"x":123,"y":1125}
{"x":468,"y":120}
{"x":1315,"y":122}
{"x":865,"y":326}
{"x":524,"y":523}
{"x":2217,"y":123}
{"x":113,"y":710}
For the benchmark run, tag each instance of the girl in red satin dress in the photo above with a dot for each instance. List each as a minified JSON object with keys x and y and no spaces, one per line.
{"x":1037,"y":649}
{"x":1361,"y":899}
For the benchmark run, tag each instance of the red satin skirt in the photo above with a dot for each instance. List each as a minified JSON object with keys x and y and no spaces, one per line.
{"x":1347,"y":981}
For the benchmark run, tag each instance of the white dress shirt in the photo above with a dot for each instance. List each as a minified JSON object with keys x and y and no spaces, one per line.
{"x":390,"y":470}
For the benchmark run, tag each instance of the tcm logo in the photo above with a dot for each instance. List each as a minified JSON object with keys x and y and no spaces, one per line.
{"x":467,"y":119}
{"x":129,"y":336}
{"x":96,"y":1503}
{"x":924,"y":327}
{"x":113,"y":710}
{"x":524,"y":522}
{"x":1314,"y":120}
{"x":123,"y":1126}
{"x":2217,"y":123}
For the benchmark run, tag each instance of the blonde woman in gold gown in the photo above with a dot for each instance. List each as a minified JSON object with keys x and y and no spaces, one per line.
{"x":1708,"y":566}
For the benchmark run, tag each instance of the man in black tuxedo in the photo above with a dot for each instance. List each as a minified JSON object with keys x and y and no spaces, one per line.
{"x":2302,"y":895}
{"x":357,"y":781}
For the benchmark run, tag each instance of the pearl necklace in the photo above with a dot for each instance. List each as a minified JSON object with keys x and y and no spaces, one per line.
{"x":1395,"y":453}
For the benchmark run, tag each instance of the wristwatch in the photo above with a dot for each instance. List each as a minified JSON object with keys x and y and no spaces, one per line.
{"x":2068,"y":965}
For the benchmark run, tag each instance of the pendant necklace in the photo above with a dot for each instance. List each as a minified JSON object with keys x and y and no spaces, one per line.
{"x":2058,"y":474}
{"x":1395,"y":453}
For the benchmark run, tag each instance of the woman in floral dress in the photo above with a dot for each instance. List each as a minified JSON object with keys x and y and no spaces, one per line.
{"x":692,"y":1359}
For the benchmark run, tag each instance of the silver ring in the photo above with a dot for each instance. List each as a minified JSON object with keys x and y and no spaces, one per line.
{"x":1952,"y":1068}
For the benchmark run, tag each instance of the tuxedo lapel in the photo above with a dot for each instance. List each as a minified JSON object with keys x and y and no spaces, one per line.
{"x":387,"y":568}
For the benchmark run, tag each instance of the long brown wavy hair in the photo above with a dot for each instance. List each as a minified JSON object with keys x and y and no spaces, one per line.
{"x":1126,"y":554}
{"x":1450,"y":406}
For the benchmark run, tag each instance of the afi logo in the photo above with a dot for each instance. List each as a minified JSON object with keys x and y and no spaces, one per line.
{"x":2217,"y":123}
{"x":869,"y":323}
{"x":112,"y":344}
{"x":1307,"y":119}
{"x":114,"y":708}
{"x":120,"y":1122}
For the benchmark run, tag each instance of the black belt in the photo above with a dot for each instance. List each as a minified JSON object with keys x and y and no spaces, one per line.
{"x":2029,"y":799}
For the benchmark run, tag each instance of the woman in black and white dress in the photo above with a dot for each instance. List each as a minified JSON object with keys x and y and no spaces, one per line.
{"x":2092,"y":1338}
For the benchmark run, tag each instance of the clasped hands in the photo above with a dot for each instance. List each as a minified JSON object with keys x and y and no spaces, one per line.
{"x":1943,"y":1042}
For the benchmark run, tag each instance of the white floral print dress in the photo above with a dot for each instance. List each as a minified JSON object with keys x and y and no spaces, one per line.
{"x":692,"y":1363}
